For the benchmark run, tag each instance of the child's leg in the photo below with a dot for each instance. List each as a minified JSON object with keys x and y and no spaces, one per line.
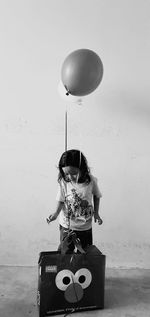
{"x":86,"y":237}
{"x":63,"y":235}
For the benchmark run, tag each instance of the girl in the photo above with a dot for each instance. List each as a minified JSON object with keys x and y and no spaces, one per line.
{"x":78,"y":198}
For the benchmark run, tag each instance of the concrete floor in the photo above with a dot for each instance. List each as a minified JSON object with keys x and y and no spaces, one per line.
{"x":127,"y":293}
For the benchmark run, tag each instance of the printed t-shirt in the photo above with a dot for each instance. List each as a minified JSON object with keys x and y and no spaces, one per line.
{"x":77,"y":211}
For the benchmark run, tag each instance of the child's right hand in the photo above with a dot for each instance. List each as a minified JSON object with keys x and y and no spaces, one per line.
{"x":51,"y":218}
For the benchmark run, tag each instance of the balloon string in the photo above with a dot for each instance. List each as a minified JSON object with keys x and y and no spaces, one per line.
{"x":80,"y":136}
{"x":66,"y":146}
{"x":66,"y":128}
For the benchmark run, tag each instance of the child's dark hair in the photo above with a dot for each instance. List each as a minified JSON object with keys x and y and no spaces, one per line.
{"x":74,"y":158}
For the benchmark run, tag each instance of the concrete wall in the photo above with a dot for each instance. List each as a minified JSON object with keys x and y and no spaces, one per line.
{"x":112,"y":127}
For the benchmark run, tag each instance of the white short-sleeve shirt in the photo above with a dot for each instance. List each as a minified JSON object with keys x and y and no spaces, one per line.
{"x":77,"y":211}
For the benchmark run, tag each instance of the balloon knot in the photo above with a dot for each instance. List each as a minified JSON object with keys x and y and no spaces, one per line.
{"x":68,"y":92}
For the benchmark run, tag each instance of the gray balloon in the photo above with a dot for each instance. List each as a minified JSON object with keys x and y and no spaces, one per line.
{"x":82,"y":72}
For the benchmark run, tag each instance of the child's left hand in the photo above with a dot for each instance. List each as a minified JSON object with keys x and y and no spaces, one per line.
{"x":98,"y":219}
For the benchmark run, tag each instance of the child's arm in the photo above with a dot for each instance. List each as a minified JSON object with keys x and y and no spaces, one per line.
{"x":53,"y":216}
{"x":97,"y":218}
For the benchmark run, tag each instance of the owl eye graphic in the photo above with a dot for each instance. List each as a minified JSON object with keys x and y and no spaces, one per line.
{"x":63,"y":279}
{"x":83,"y":277}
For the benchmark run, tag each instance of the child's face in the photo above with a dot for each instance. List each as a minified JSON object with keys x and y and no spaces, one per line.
{"x":71,"y":173}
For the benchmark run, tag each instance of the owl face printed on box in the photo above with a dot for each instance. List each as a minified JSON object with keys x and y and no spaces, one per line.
{"x":73,"y":285}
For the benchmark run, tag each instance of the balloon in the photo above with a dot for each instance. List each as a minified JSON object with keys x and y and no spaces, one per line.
{"x":82,"y":72}
{"x":68,"y":97}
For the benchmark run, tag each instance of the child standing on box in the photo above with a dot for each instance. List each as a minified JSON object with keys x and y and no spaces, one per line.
{"x":78,"y":198}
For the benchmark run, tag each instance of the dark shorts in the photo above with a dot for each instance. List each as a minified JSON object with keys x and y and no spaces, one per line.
{"x":85,"y":236}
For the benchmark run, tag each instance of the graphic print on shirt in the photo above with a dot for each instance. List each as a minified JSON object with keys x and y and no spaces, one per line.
{"x":77,"y":208}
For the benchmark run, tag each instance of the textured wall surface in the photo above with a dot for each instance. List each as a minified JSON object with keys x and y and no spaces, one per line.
{"x":112,"y":127}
